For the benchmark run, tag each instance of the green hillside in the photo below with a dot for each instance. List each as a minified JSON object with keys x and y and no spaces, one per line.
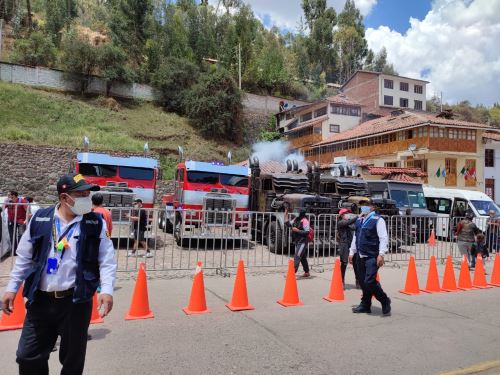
{"x":38,"y":117}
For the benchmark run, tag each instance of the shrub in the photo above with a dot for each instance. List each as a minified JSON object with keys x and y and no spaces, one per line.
{"x":214,"y":105}
{"x":35,"y":50}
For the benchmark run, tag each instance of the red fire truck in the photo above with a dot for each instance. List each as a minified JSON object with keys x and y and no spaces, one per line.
{"x":122,"y":179}
{"x":209,"y":202}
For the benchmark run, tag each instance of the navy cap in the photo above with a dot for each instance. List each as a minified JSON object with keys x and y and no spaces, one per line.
{"x":74,"y":182}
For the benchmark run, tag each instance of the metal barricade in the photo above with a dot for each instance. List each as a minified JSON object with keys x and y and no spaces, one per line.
{"x":178,"y":240}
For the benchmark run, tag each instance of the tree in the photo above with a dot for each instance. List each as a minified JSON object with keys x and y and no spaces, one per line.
{"x":79,"y":58}
{"x":58,"y":13}
{"x":112,"y":63}
{"x":350,"y":40}
{"x":214,"y":105}
{"x":130,"y":26}
{"x":35,"y":50}
{"x":173,"y":79}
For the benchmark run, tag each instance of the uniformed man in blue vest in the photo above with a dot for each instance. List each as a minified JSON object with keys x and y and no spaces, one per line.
{"x":370,"y":241}
{"x":62,"y":257}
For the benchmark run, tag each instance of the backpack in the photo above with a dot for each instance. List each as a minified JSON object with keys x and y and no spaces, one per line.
{"x":310,"y":235}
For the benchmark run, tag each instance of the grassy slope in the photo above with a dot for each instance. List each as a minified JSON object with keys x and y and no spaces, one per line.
{"x":44,"y":118}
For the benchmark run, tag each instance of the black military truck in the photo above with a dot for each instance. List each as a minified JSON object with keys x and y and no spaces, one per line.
{"x":275,"y":186}
{"x":416,"y":219}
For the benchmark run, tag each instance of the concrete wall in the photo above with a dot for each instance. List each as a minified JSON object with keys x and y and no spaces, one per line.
{"x":266,"y":104}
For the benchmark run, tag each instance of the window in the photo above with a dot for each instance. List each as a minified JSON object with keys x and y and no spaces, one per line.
{"x":134,"y":173}
{"x":317,"y":130}
{"x":234,"y":180}
{"x":355,"y":112}
{"x":388,"y":99}
{"x":388,"y":83}
{"x":97,"y":170}
{"x":489,"y":187}
{"x":422,"y":164}
{"x":439,"y":205}
{"x":489,"y":158}
{"x":452,"y":134}
{"x":394,"y":164}
{"x":293,"y":124}
{"x":306,"y":117}
{"x":442,"y":133}
{"x":403,"y":86}
{"x":334,"y":128}
{"x":418,"y":104}
{"x":321,"y":112}
{"x":403,"y":102}
{"x":418,"y":89}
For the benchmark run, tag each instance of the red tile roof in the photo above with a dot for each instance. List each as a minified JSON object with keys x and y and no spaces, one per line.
{"x":492,"y":135}
{"x":391,"y":170}
{"x":401,"y":177}
{"x":391,"y":123}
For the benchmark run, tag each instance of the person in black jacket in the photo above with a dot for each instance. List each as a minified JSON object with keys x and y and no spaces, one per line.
{"x":300,"y":237}
{"x":345,"y":231}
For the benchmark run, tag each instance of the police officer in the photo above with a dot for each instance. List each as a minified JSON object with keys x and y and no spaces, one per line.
{"x":371,"y":242}
{"x":62,"y":257}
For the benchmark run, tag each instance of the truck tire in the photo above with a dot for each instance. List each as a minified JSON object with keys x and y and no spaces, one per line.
{"x":168,"y":226}
{"x":274,"y":237}
{"x":161,"y":220}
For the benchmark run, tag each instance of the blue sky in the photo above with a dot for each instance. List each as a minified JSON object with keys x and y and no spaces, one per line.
{"x":390,"y":13}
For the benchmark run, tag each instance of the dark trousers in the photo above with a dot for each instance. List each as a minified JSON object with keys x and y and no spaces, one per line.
{"x":15,"y":232}
{"x":46,"y":319}
{"x":367,"y":271}
{"x":301,"y":257}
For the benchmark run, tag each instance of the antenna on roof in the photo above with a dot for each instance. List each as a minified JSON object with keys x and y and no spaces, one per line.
{"x":86,"y":144}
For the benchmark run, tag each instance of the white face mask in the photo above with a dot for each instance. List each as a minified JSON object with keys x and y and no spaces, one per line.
{"x":82,"y":205}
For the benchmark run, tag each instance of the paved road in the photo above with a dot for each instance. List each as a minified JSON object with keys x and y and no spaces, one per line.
{"x":426,"y":334}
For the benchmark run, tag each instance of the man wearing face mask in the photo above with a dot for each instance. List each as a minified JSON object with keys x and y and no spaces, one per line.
{"x":62,"y":257}
{"x":370,"y":241}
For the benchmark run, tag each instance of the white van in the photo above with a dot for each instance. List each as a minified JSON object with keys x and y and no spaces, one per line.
{"x":451,"y":204}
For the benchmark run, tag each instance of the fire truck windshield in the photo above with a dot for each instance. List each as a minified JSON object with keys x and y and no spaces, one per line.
{"x":97,"y":170}
{"x":133,"y":173}
{"x":214,"y":178}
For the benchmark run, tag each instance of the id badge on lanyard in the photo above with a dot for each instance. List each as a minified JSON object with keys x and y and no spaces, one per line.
{"x":61,"y":244}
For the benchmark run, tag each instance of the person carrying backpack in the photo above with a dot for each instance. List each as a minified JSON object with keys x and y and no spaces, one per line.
{"x":300,"y":237}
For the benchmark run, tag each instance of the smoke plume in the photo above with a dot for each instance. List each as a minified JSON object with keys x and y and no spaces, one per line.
{"x":275,"y":151}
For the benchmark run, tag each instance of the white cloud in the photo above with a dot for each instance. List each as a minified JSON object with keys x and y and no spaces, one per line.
{"x":456,"y":44}
{"x":287,"y":13}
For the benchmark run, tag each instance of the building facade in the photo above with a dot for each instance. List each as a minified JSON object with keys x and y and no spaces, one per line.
{"x":380,"y":93}
{"x":491,"y":142}
{"x":448,"y":151}
{"x":307,"y":125}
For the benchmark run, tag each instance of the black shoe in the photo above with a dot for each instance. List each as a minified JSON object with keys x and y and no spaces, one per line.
{"x":386,"y":309}
{"x":361,"y":309}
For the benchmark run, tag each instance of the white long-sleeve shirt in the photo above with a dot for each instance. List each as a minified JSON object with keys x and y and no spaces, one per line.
{"x":65,"y":276}
{"x":382,"y":237}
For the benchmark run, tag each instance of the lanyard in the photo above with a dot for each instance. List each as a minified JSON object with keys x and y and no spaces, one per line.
{"x":367,"y":219}
{"x":56,"y":228}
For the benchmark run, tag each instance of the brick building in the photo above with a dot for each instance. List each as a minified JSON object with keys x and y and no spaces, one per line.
{"x":408,"y":139}
{"x":380,"y":93}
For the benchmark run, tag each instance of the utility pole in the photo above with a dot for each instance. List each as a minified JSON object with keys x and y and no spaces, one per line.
{"x":441,"y":101}
{"x":1,"y":27}
{"x":239,"y":64}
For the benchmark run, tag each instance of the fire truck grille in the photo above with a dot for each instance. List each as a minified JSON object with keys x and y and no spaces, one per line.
{"x":218,"y":211}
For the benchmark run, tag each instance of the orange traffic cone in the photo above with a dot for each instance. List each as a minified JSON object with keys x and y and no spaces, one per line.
{"x":96,"y":318}
{"x":495,"y":274}
{"x":197,"y":302}
{"x":239,"y":301}
{"x":480,"y":275}
{"x":139,"y":308}
{"x":449,"y":281}
{"x":290,"y":294}
{"x":16,"y":319}
{"x":464,"y":281}
{"x":337,"y":286}
{"x":411,"y":285}
{"x":432,"y":239}
{"x":432,"y":285}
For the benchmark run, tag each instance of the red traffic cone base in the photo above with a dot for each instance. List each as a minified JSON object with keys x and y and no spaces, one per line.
{"x":139,"y":308}
{"x":411,"y":285}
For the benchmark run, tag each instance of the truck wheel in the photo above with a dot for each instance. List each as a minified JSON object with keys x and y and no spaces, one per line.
{"x":168,"y":227}
{"x":274,"y":238}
